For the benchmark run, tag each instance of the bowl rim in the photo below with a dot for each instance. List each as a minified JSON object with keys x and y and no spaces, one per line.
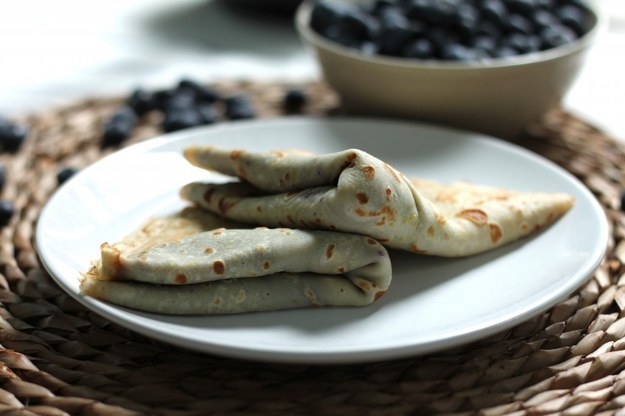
{"x":302,"y":19}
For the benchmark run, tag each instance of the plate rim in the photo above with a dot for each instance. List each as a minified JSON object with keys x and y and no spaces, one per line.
{"x":469,"y":334}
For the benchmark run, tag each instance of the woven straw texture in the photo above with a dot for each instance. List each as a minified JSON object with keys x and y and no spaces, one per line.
{"x":58,"y":358}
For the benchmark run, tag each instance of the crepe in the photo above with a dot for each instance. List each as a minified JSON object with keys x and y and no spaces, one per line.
{"x":352,"y":191}
{"x":189,"y":263}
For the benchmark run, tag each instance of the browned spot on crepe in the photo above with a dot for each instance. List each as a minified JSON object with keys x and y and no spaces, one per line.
{"x":474,"y":215}
{"x":371,"y":241}
{"x":259,"y":208}
{"x":379,"y":294}
{"x":362,"y":197}
{"x":495,"y":232}
{"x":209,"y":250}
{"x":266,"y":265}
{"x":431,"y":231}
{"x":234,"y":155}
{"x":360,"y":212}
{"x":341,"y":270}
{"x":217,"y":232}
{"x":369,"y":171}
{"x":415,"y":249}
{"x":440,"y":219}
{"x":278,"y":153}
{"x":290,"y":219}
{"x":330,"y":250}
{"x":364,"y":285}
{"x":219,"y":267}
{"x":180,"y":278}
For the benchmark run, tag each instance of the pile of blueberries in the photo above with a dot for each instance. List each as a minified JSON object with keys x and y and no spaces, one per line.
{"x":188,"y":104}
{"x":452,"y":30}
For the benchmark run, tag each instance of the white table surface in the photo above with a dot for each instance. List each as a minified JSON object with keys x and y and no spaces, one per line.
{"x":52,"y":52}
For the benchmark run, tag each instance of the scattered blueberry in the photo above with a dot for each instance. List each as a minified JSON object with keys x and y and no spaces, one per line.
{"x":142,"y":101}
{"x":452,"y":29}
{"x":7,"y":210}
{"x":181,"y":119}
{"x":12,"y":135}
{"x":119,"y":126}
{"x":64,"y":174}
{"x":208,"y":113}
{"x":239,"y":107}
{"x":294,"y":100}
{"x":201,"y":93}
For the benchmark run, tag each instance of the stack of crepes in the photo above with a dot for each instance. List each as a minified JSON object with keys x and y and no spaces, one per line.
{"x":323,"y":223}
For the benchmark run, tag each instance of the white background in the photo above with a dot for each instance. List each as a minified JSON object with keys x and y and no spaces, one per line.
{"x":53,"y":51}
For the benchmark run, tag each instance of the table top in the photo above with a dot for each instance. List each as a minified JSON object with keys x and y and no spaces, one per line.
{"x":54,"y":52}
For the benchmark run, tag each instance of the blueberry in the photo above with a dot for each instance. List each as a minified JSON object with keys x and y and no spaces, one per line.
{"x":519,"y":24}
{"x":239,"y":107}
{"x":368,"y":48}
{"x":543,"y":19}
{"x":573,"y":17}
{"x":458,"y":52}
{"x":208,"y":113}
{"x":336,"y":34}
{"x":181,"y":119}
{"x":555,"y":36}
{"x":392,"y":41}
{"x":467,"y":20}
{"x":522,"y":7}
{"x":12,"y":135}
{"x":488,"y":28}
{"x":418,"y":49}
{"x":360,"y":25}
{"x":7,"y":210}
{"x":441,"y":37}
{"x":380,"y":5}
{"x":505,"y":52}
{"x":326,"y":14}
{"x":161,"y":97}
{"x":487,"y":44}
{"x":119,"y":126}
{"x":142,"y":101}
{"x":200,"y":92}
{"x":439,"y":12}
{"x":494,"y":11}
{"x":523,"y":43}
{"x":180,"y":100}
{"x":393,"y":17}
{"x":64,"y":174}
{"x":294,"y":100}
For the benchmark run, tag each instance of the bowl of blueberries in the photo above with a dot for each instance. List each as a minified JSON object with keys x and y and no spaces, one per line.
{"x":492,"y":66}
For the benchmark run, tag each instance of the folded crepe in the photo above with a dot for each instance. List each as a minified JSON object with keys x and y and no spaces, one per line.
{"x":352,"y":191}
{"x":189,"y":263}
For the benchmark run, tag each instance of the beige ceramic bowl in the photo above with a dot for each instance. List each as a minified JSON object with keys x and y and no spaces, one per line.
{"x":500,"y":97}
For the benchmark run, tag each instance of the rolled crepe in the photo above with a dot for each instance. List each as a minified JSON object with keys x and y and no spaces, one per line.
{"x":183,"y":264}
{"x":354,"y":192}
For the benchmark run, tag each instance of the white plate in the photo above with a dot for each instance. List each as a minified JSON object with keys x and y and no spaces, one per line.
{"x":433,"y":303}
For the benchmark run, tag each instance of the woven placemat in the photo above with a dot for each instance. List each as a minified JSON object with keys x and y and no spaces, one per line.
{"x":59,"y":358}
